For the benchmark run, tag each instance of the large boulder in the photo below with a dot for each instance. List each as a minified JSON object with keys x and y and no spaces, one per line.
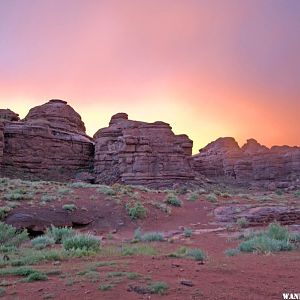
{"x":50,"y":143}
{"x":135,"y":152}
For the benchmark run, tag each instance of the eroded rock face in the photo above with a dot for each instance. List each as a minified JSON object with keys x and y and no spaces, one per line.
{"x":136,"y":152}
{"x":50,"y":143}
{"x":252,"y":162}
{"x":8,"y":115}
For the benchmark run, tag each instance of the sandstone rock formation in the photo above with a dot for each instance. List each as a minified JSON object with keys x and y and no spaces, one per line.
{"x":50,"y":143}
{"x":8,"y":115}
{"x":252,"y":162}
{"x":136,"y":152}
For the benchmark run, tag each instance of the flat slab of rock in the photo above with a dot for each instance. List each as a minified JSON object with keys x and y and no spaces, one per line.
{"x":257,"y":215}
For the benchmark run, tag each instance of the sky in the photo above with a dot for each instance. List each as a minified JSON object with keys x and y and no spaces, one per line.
{"x":209,"y":68}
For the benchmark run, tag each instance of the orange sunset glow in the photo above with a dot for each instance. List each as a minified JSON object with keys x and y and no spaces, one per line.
{"x":209,"y":68}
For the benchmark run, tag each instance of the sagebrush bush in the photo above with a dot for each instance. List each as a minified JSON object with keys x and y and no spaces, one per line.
{"x":193,"y":196}
{"x":87,"y":242}
{"x":275,"y":238}
{"x":106,"y":190}
{"x":4,"y":210}
{"x":10,"y":237}
{"x":173,"y":200}
{"x":196,"y":254}
{"x":42,"y":241}
{"x":60,"y":233}
{"x":242,"y":222}
{"x":152,"y":237}
{"x":158,"y":287}
{"x":187,"y":232}
{"x":212,"y":198}
{"x":136,"y":210}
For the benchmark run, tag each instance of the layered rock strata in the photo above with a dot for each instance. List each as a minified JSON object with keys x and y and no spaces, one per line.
{"x":50,"y":143}
{"x":252,"y":162}
{"x":135,"y":152}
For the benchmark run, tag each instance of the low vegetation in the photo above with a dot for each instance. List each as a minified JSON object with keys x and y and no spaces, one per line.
{"x":212,"y":198}
{"x":173,"y":200}
{"x":69,"y":207}
{"x":194,"y":253}
{"x":158,"y":287}
{"x":10,"y":237}
{"x":87,"y":242}
{"x":274,"y":239}
{"x":136,"y":210}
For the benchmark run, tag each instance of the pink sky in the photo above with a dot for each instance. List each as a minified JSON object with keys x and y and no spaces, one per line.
{"x":210,"y":68}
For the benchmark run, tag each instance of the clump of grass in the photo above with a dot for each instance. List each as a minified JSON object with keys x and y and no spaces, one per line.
{"x":193,"y":196}
{"x":150,"y":236}
{"x":173,"y":200}
{"x":10,"y":237}
{"x":242,"y":222}
{"x":48,"y":198}
{"x":36,"y":276}
{"x":42,"y":241}
{"x":79,"y":184}
{"x":64,"y":191}
{"x":212,"y":198}
{"x":69,"y":207}
{"x":4,"y":210}
{"x":106,"y":190}
{"x":18,"y":194}
{"x":158,"y":287}
{"x":106,"y":287}
{"x":86,"y":242}
{"x":187,"y":232}
{"x":138,"y":250}
{"x":163,"y":207}
{"x":129,"y":275}
{"x":136,"y":210}
{"x":232,"y":252}
{"x":195,"y":253}
{"x":275,"y":238}
{"x":60,"y":233}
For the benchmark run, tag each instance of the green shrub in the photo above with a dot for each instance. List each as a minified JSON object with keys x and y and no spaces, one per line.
{"x":36,"y":276}
{"x":278,"y":232}
{"x":193,"y":196}
{"x":187,"y":232}
{"x":17,"y":195}
{"x":42,"y":241}
{"x":196,"y":254}
{"x":138,"y":250}
{"x":22,"y":271}
{"x":136,"y":210}
{"x":173,"y":200}
{"x":60,"y":233}
{"x":82,"y":241}
{"x":242,"y":222}
{"x":10,"y":237}
{"x":4,"y":210}
{"x":159,"y":287}
{"x":265,"y":244}
{"x":137,"y":236}
{"x":211,"y":198}
{"x":69,"y":207}
{"x":106,"y":190}
{"x":48,"y":198}
{"x":232,"y":252}
{"x":106,"y":287}
{"x":79,"y":184}
{"x":64,"y":191}
{"x":152,"y":237}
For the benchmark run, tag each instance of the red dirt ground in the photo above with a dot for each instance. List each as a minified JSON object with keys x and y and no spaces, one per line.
{"x":245,"y":276}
